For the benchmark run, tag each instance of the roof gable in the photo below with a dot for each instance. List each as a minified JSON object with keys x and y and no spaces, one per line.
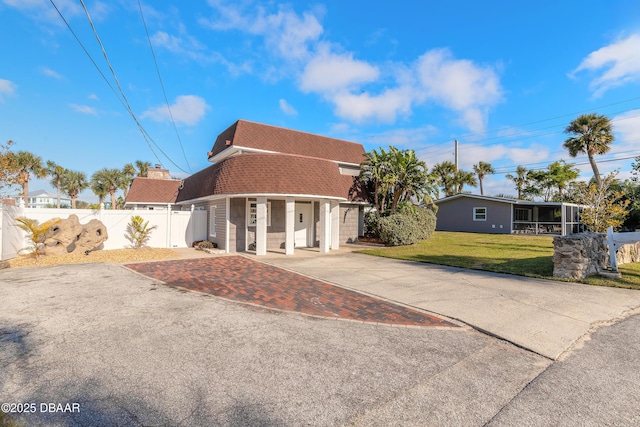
{"x":266,"y":138}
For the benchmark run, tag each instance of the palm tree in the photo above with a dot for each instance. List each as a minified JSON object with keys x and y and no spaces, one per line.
{"x":409,"y":176}
{"x":445,"y":173}
{"x":482,"y":169}
{"x":55,"y":172}
{"x":111,"y":180}
{"x":27,"y":164}
{"x":462,"y":178}
{"x":520,"y":180}
{"x":592,"y":134}
{"x":128,"y":172}
{"x":73,"y":183}
{"x":142,"y":167}
{"x":374,"y":169}
{"x":98,"y":188}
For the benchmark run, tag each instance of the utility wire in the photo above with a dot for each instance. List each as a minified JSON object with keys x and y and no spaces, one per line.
{"x":121,"y":97}
{"x":153,"y":54}
{"x":544,"y":120}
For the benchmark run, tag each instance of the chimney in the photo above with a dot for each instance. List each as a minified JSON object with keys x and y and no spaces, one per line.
{"x":157,"y":173}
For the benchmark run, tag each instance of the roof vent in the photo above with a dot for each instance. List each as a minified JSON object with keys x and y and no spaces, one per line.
{"x":228,"y":142}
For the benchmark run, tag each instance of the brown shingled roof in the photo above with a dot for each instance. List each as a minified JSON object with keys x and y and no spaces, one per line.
{"x":148,"y":190}
{"x":266,"y":173}
{"x":272,"y":138}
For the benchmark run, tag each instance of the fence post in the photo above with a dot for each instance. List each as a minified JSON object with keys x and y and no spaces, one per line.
{"x":168,"y":240}
{"x":192,"y":221}
{"x":612,"y":249}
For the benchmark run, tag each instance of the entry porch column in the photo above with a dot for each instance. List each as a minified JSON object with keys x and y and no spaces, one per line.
{"x":325,"y":225}
{"x":335,"y":225}
{"x":261,"y":226}
{"x":289,"y":228}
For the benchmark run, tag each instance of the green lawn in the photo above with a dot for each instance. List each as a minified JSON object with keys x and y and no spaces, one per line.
{"x":503,"y":253}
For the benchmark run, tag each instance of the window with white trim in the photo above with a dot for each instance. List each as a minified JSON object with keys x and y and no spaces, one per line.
{"x":479,"y":214}
{"x":252,"y":214}
{"x":212,"y":221}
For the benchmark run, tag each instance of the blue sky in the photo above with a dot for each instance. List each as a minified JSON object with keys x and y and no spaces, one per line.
{"x":503,"y":77}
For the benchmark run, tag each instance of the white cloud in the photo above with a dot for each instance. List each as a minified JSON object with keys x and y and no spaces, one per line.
{"x":286,"y":33}
{"x":192,"y":48}
{"x":287,"y":108}
{"x":363,"y":107}
{"x":51,"y":73}
{"x":459,"y":85}
{"x":41,"y":10}
{"x":361,"y":90}
{"x":84,"y":109}
{"x":330,"y":72}
{"x":617,"y":64}
{"x":7,"y":88}
{"x":187,"y":109}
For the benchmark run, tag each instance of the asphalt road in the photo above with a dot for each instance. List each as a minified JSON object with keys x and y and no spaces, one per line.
{"x":128,"y":351}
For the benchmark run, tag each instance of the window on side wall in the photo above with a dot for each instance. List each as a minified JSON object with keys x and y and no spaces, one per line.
{"x":252,"y":214}
{"x":479,"y":214}
{"x":212,"y":221}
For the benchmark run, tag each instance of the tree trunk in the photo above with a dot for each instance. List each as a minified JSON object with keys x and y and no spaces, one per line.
{"x":594,"y":166}
{"x":58,"y":182}
{"x":113,"y":200}
{"x":481,"y":189}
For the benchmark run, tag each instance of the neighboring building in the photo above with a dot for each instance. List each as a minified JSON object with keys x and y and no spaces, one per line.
{"x":155,"y":192}
{"x":483,"y":214}
{"x":43,"y":199}
{"x":152,"y":194}
{"x":272,"y":188}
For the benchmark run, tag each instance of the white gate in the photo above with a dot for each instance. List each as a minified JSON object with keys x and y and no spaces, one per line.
{"x":187,"y":227}
{"x":11,"y":236}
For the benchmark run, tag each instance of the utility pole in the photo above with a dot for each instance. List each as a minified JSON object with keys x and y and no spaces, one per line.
{"x":456,"y":155}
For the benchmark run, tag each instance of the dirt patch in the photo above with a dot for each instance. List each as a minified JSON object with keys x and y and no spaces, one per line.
{"x":113,"y":256}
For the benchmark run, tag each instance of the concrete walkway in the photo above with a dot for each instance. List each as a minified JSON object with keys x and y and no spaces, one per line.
{"x":543,"y":316}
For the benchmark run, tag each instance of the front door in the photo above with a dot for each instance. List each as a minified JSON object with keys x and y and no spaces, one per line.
{"x":302,"y":224}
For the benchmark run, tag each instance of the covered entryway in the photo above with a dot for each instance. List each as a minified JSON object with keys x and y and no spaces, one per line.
{"x":302,"y":227}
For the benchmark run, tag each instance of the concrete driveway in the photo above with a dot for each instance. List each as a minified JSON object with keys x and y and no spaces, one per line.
{"x":130,"y":351}
{"x":543,"y":316}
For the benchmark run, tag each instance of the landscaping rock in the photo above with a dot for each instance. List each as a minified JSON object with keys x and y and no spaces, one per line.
{"x":69,"y":236}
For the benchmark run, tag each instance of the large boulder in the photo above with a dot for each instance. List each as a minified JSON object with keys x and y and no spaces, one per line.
{"x":69,"y":236}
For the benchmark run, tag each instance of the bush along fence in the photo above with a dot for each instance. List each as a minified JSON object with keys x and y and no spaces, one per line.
{"x":578,"y":256}
{"x":174,"y":229}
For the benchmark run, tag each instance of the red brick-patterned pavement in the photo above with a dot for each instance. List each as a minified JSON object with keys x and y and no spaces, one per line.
{"x":241,"y":279}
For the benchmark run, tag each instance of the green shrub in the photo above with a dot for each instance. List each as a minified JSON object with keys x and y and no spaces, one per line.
{"x":139,"y":232}
{"x":36,"y":234}
{"x":407,"y":226}
{"x":370,"y":224}
{"x":207,"y":245}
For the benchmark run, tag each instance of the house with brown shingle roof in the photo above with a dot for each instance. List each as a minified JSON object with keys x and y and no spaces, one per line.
{"x":271,"y":188}
{"x":153,"y":192}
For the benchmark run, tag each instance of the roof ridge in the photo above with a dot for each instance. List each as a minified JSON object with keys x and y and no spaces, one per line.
{"x":294,"y":130}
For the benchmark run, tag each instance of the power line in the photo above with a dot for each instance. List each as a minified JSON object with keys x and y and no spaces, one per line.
{"x":530,"y":134}
{"x":153,"y":54}
{"x":543,"y":120}
{"x":148,"y":139}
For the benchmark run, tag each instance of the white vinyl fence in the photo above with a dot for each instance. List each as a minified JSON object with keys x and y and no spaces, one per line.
{"x":616,"y":240}
{"x":175,"y":229}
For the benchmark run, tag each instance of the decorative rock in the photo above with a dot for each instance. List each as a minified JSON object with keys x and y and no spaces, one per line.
{"x":579,"y":255}
{"x":69,"y":236}
{"x":586,"y":254}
